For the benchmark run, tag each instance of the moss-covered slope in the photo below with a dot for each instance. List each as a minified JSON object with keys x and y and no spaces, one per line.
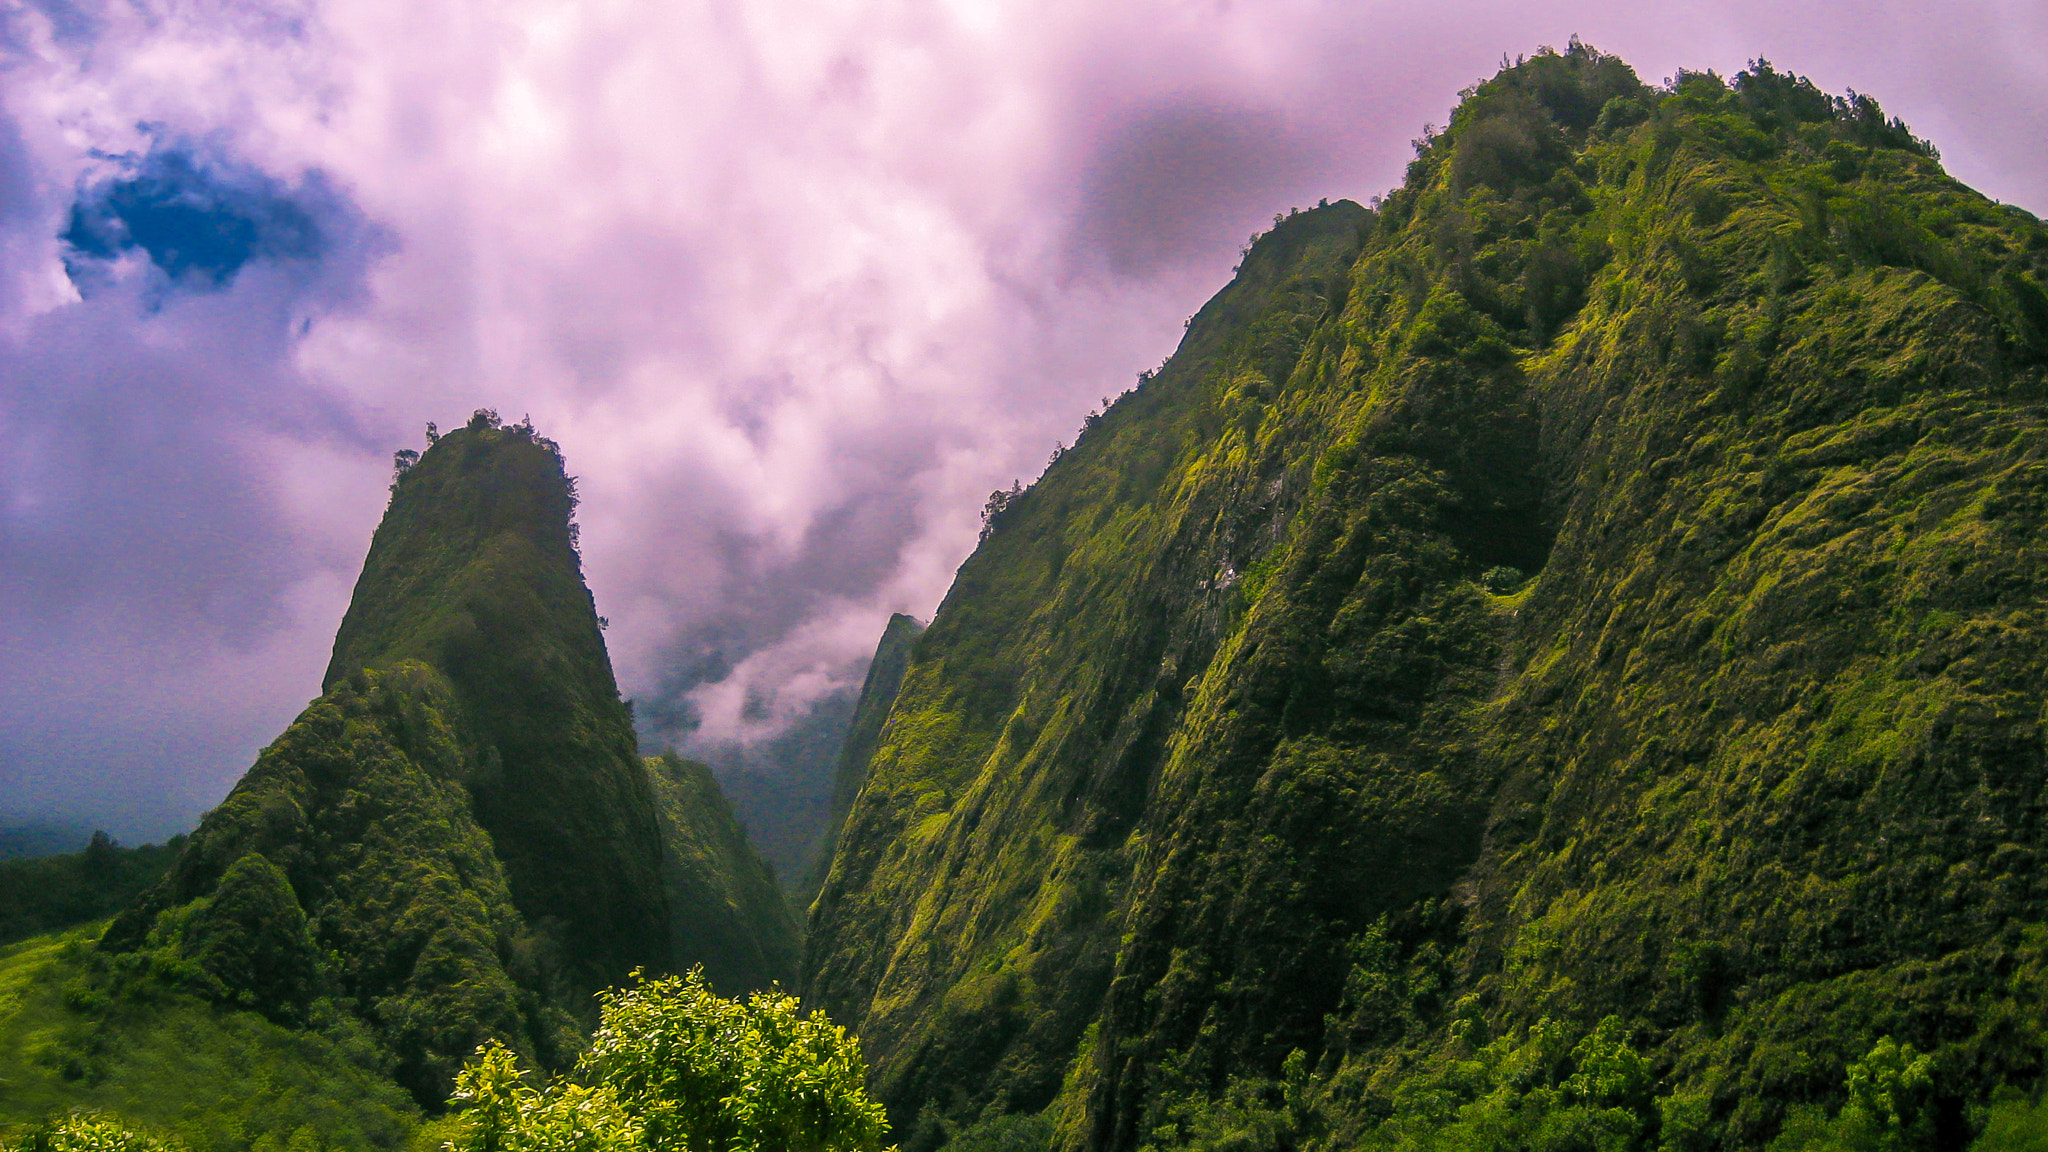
{"x":347,"y":869}
{"x":726,"y":911}
{"x":877,"y":694}
{"x":1602,"y":581}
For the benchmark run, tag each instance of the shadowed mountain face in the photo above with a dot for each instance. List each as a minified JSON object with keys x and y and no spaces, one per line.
{"x":1602,"y":581}
{"x":726,"y":911}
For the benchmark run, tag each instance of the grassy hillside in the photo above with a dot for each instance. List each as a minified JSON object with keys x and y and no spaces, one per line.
{"x":1599,"y":582}
{"x":726,"y":911}
{"x":219,"y":1080}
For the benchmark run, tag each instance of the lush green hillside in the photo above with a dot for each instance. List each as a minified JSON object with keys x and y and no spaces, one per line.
{"x":45,"y":893}
{"x":346,"y":868}
{"x":877,"y":693}
{"x":220,"y":1080}
{"x":1600,"y":583}
{"x":475,"y":573}
{"x":726,"y":911}
{"x":470,"y":740}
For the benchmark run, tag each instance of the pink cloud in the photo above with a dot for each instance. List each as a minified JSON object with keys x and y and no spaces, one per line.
{"x":794,"y":284}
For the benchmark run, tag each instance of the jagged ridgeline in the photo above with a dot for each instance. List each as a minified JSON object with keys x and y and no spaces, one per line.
{"x":1605,"y":579}
{"x":459,"y":840}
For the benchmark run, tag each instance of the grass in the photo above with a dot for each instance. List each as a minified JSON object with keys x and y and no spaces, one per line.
{"x":221,"y":1081}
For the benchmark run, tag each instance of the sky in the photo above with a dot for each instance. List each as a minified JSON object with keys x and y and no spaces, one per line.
{"x":795,"y":284}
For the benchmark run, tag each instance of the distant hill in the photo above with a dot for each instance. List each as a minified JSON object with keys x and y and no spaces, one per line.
{"x":27,"y":840}
{"x":48,"y":892}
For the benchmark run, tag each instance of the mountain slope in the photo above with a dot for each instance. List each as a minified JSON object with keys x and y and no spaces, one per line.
{"x":877,"y":693}
{"x":726,"y":911}
{"x":1603,"y":581}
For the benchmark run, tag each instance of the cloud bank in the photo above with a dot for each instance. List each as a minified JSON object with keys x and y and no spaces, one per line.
{"x":794,"y":284}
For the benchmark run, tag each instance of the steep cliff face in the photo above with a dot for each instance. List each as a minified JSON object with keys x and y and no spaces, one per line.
{"x":725,"y":910}
{"x":1602,"y":581}
{"x":458,"y":840}
{"x":877,"y":695}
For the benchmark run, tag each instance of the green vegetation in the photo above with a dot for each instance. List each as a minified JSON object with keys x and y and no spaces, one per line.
{"x":46,"y":893}
{"x":1553,"y":661}
{"x":369,"y":865}
{"x":474,"y":572}
{"x":346,"y":868}
{"x":674,"y":1067}
{"x":726,"y":912}
{"x":214,"y":1078}
{"x":877,"y":694}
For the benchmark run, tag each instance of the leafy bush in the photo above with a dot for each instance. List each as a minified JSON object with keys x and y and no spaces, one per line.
{"x":87,"y":1132}
{"x":675,"y":1066}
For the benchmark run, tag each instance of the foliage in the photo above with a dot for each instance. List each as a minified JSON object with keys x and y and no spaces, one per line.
{"x":726,"y":912}
{"x":48,"y":893}
{"x":674,"y":1066}
{"x":215,"y":1079}
{"x":1233,"y":741}
{"x":86,"y":1132}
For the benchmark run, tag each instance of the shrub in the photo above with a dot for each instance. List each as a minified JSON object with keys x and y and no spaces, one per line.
{"x":675,"y":1066}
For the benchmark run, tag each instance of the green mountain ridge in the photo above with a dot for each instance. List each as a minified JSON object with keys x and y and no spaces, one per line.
{"x":726,"y":911}
{"x":1602,"y":580}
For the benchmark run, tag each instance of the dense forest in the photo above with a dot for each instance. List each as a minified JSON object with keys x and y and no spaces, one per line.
{"x":1551,"y":663}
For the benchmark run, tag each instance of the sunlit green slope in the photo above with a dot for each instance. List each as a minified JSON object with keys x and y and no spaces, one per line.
{"x":1604,"y":580}
{"x":220,"y":1080}
{"x":877,"y":694}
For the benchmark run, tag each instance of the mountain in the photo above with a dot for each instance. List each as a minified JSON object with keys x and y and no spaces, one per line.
{"x":781,"y":787}
{"x":1553,"y":660}
{"x":475,"y":573}
{"x":725,"y":909}
{"x":877,"y":693}
{"x":458,"y":840}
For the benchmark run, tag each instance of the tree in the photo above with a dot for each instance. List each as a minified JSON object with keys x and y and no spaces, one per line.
{"x":674,"y":1066}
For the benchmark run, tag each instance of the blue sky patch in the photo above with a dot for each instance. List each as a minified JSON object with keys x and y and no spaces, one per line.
{"x":199,"y":222}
